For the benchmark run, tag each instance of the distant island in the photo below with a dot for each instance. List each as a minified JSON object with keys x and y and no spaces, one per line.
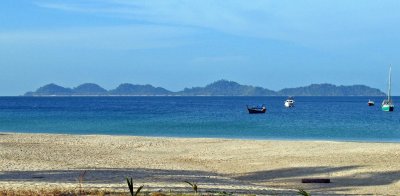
{"x":218,"y":88}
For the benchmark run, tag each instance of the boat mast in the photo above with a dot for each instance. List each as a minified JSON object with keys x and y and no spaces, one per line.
{"x":390,"y":84}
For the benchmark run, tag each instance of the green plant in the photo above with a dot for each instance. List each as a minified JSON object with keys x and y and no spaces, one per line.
{"x":223,"y":193}
{"x":80,"y":180}
{"x":193,"y":185}
{"x":130,"y":186}
{"x":303,"y":192}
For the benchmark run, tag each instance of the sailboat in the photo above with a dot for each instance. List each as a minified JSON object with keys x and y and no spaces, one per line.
{"x":387,"y":104}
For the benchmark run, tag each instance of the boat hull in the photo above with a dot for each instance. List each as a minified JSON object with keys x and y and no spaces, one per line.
{"x":387,"y":108}
{"x":256,"y":111}
{"x":289,"y":105}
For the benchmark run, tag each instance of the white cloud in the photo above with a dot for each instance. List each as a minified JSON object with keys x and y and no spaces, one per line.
{"x":304,"y":22}
{"x":100,"y":7}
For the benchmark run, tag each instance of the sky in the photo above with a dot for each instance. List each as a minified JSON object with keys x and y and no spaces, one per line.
{"x":185,"y":43}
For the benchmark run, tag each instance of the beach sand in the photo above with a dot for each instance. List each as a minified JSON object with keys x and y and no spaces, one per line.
{"x":50,"y":161}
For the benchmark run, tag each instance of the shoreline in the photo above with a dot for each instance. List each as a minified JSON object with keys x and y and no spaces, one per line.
{"x":45,"y":161}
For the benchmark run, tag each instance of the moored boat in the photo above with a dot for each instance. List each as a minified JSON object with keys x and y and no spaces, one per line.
{"x":371,"y":103}
{"x":289,"y":102}
{"x":387,"y":104}
{"x":257,"y":109}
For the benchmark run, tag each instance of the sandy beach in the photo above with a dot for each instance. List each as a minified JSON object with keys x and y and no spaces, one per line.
{"x":50,"y":161}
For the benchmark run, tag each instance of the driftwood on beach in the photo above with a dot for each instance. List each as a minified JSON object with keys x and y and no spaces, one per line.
{"x":315,"y":180}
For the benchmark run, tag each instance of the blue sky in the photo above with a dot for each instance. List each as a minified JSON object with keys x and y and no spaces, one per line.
{"x":185,"y":43}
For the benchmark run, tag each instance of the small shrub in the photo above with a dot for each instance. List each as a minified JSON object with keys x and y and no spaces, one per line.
{"x":303,"y":192}
{"x":80,"y":180}
{"x":130,"y":186}
{"x":158,"y":194}
{"x":193,"y":185}
{"x":223,"y":193}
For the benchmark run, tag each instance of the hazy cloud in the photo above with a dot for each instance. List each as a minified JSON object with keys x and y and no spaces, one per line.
{"x":317,"y":23}
{"x":219,"y":59}
{"x":110,"y":37}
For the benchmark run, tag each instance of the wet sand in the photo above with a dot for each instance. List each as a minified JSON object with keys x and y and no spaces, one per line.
{"x":50,"y":161}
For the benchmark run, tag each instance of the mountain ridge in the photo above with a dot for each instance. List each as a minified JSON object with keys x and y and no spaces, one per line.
{"x":217,"y":88}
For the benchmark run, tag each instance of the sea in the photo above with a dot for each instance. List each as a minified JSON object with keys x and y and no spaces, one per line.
{"x":312,"y":118}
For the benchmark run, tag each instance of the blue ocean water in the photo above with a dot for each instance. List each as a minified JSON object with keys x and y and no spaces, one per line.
{"x":313,"y":118}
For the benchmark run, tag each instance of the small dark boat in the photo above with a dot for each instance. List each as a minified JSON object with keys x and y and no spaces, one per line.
{"x":257,"y":109}
{"x":371,"y":103}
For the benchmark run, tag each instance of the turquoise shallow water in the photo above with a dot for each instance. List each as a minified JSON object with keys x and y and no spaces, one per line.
{"x":313,"y":118}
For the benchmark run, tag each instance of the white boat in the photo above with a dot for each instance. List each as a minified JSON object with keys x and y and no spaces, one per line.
{"x":289,"y":102}
{"x":387,"y":104}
